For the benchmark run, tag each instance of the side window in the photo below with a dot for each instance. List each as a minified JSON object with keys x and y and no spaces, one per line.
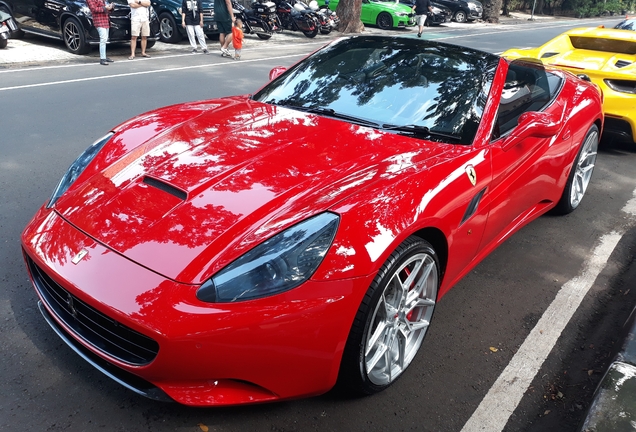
{"x":528,"y":87}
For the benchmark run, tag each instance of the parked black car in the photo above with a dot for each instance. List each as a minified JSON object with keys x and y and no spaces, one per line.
{"x":72,"y":22}
{"x":464,"y":10}
{"x":440,"y":15}
{"x":169,"y":12}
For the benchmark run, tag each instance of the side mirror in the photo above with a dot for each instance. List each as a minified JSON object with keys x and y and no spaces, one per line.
{"x":276,"y":72}
{"x":532,"y":124}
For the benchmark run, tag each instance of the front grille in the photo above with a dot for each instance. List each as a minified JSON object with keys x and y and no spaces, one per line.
{"x":208,"y":13}
{"x":103,"y":333}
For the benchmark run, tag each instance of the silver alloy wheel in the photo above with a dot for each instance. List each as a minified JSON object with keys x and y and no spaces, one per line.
{"x":400,"y":319}
{"x":166,"y":29}
{"x":72,"y":35}
{"x":584,"y":168}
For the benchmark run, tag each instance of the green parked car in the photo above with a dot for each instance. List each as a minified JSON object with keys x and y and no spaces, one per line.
{"x":386,"y":14}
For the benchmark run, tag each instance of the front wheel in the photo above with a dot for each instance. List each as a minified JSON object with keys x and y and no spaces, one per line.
{"x":580,"y":175}
{"x":385,"y":21}
{"x":168,"y":31}
{"x":460,"y":16}
{"x":392,"y":319}
{"x":74,"y":37}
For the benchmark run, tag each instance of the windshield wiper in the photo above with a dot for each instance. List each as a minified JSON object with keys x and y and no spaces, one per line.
{"x":331,"y":113}
{"x":421,"y":131}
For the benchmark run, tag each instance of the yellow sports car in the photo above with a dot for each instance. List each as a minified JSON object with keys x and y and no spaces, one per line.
{"x":608,"y":58}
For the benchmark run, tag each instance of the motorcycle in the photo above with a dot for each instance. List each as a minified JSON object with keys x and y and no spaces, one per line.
{"x":329,"y":17}
{"x":261,"y":20}
{"x":8,"y":26}
{"x":323,"y":21}
{"x":297,"y":18}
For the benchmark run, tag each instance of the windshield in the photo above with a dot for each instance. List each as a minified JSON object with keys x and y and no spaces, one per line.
{"x":392,"y":82}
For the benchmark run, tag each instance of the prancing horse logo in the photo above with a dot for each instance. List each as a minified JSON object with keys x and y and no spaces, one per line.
{"x":80,"y":255}
{"x":472,"y":175}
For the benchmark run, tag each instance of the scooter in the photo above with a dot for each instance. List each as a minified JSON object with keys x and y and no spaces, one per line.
{"x":262,"y":24}
{"x":8,"y":26}
{"x":296,"y":18}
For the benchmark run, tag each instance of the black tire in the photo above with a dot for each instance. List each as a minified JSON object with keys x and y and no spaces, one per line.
{"x":375,"y":329}
{"x":580,"y":174}
{"x":3,"y":43}
{"x":150,"y":44}
{"x":384,"y":21}
{"x":460,"y":16}
{"x":168,"y":30}
{"x":312,"y":33}
{"x":74,"y":39}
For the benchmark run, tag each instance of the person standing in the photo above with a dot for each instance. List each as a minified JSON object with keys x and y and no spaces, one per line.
{"x":139,"y":25}
{"x":224,"y":16}
{"x":422,"y":8}
{"x":237,"y":38}
{"x":100,"y":11}
{"x":192,"y":21}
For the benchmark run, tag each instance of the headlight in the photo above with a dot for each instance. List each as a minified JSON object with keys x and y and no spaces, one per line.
{"x":279,"y":264}
{"x":401,"y":14}
{"x":472,"y":6}
{"x":77,"y":167}
{"x":436,"y":10}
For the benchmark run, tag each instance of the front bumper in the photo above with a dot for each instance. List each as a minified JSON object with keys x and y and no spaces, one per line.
{"x":275,"y":348}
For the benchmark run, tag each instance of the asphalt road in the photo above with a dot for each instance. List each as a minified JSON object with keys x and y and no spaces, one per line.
{"x":54,"y":107}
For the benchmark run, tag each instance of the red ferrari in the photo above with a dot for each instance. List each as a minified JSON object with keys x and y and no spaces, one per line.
{"x":266,"y":247}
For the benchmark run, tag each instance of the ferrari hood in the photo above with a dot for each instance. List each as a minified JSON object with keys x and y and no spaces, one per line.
{"x":207,"y":189}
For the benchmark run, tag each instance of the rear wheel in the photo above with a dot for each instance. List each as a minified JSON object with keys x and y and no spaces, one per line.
{"x":74,"y":37}
{"x":312,"y":33}
{"x":168,"y":31}
{"x":392,"y":320}
{"x":580,"y":175}
{"x":3,"y":43}
{"x":384,"y":21}
{"x":460,"y":16}
{"x":264,"y":32}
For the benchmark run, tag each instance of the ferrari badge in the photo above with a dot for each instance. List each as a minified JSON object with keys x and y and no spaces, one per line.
{"x":472,"y":175}
{"x":80,"y":255}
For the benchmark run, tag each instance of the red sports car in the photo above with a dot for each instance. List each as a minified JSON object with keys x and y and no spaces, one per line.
{"x":264,"y":247}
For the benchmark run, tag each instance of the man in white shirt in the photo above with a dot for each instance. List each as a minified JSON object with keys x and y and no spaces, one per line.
{"x":139,"y":25}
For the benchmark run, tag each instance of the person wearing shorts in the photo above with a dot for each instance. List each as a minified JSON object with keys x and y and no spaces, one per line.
{"x":224,"y":16}
{"x":139,"y":25}
{"x":422,"y":8}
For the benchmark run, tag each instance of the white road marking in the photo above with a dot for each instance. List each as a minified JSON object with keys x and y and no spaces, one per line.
{"x":502,"y":399}
{"x":45,"y":84}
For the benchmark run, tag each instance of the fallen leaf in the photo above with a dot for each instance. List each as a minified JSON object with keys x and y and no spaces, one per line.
{"x":546,"y":412}
{"x":626,"y":292}
{"x":203,"y":427}
{"x":590,"y":372}
{"x":560,"y":395}
{"x":493,"y":349}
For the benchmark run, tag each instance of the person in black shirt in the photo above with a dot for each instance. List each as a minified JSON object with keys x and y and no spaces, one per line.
{"x":192,"y":21}
{"x":422,"y":8}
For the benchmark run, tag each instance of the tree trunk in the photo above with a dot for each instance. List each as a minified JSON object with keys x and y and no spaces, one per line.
{"x":492,"y":9}
{"x":348,"y":12}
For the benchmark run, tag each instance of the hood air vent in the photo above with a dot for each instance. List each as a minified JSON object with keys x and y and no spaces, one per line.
{"x":166,"y":187}
{"x":549,"y":54}
{"x":622,"y":63}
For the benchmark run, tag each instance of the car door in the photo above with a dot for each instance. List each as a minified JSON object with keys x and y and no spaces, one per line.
{"x":527,"y":140}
